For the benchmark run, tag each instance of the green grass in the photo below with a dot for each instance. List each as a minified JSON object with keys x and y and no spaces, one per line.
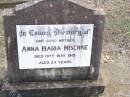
{"x":128,"y":29}
{"x":125,"y":25}
{"x":128,"y":33}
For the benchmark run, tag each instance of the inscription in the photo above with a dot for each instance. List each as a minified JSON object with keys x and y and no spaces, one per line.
{"x":54,"y":46}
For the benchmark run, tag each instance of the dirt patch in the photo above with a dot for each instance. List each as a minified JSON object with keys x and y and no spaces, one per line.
{"x":116,"y":68}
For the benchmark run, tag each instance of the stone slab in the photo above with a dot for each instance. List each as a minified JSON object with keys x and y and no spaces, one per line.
{"x":54,"y":89}
{"x":48,"y":12}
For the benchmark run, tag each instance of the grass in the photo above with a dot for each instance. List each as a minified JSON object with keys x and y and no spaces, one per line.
{"x":128,"y":29}
{"x":125,"y":25}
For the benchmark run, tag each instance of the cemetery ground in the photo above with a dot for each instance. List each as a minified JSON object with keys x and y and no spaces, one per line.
{"x":115,"y":62}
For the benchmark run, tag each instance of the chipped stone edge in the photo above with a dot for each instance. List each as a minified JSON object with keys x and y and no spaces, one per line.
{"x":11,"y":11}
{"x":26,"y":4}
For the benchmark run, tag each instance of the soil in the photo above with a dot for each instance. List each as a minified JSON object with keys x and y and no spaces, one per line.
{"x":115,"y":62}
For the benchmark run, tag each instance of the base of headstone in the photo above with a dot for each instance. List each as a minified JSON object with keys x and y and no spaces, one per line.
{"x":54,"y":89}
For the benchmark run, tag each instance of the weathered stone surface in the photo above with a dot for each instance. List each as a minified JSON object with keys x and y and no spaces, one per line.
{"x":10,"y":4}
{"x":55,"y":82}
{"x":53,"y":89}
{"x":52,"y":12}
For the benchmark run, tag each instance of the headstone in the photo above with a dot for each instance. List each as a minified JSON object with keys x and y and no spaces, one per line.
{"x":57,"y":41}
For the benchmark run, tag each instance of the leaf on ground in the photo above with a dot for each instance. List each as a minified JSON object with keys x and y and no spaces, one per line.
{"x":107,"y":59}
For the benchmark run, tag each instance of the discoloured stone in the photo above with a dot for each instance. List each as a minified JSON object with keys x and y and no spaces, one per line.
{"x":55,"y":82}
{"x":54,"y":89}
{"x":61,"y":12}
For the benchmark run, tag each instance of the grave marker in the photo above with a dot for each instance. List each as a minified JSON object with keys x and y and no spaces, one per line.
{"x":54,"y":40}
{"x":44,"y":18}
